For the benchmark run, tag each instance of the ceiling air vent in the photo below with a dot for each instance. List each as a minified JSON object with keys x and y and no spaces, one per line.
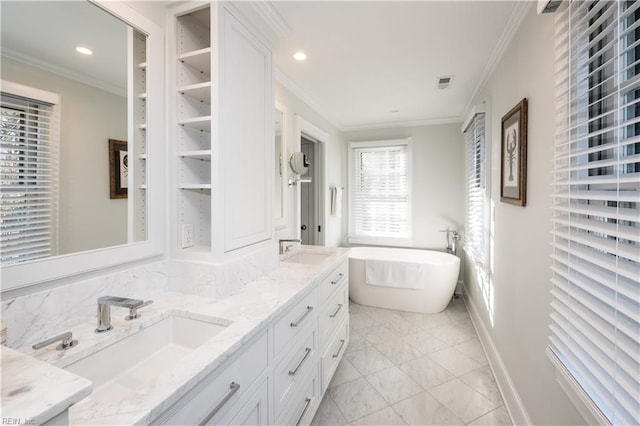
{"x":444,"y":82}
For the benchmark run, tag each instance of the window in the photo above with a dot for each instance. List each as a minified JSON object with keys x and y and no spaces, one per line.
{"x":475,"y":232}
{"x":380,"y":192}
{"x":28,"y":176}
{"x":595,"y":339}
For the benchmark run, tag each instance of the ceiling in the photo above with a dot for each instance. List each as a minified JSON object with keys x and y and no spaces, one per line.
{"x":45,"y":34}
{"x":376,"y":63}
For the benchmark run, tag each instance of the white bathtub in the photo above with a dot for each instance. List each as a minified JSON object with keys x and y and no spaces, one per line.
{"x":438,"y":272}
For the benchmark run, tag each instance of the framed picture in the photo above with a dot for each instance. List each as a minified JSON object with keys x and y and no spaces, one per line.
{"x":513,"y":169}
{"x":118,"y":168}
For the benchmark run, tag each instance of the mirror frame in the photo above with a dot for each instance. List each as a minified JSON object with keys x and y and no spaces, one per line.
{"x":39,"y":271}
{"x":280,"y":222}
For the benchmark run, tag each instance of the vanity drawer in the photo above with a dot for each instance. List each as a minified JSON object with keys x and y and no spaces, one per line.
{"x":333,"y":313}
{"x":339,"y":275}
{"x":221,"y":390}
{"x":295,"y":320}
{"x":333,"y":354}
{"x":295,"y":366}
{"x":304,"y":403}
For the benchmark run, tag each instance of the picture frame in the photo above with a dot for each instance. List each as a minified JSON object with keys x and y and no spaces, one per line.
{"x":513,"y":155}
{"x":118,"y":169}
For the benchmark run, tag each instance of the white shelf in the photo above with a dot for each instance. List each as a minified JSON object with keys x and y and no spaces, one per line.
{"x":199,"y":59}
{"x":199,"y":123}
{"x":199,"y":91}
{"x":142,"y":157}
{"x":142,"y":96}
{"x":198,"y":186}
{"x":142,"y":126}
{"x":142,"y":66}
{"x":142,"y":187}
{"x":204,"y":154}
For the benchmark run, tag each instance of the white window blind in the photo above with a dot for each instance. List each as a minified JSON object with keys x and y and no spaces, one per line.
{"x":28,"y":178}
{"x":474,"y":240}
{"x":596,"y":205}
{"x":380,"y":192}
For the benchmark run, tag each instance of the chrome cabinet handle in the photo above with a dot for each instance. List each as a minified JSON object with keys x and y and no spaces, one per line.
{"x":304,"y":358}
{"x":337,"y":280}
{"x":234,"y":387}
{"x":304,"y":411}
{"x":307,"y":312}
{"x":333,"y":315}
{"x":339,"y":349}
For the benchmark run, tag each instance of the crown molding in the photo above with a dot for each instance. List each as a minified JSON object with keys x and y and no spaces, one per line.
{"x":402,"y":124}
{"x":513,"y":24}
{"x":268,"y":12}
{"x":294,"y":88}
{"x":64,"y":72}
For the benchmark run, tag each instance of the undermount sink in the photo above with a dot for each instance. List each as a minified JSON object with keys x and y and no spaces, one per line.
{"x":307,"y":258}
{"x":140,"y":357}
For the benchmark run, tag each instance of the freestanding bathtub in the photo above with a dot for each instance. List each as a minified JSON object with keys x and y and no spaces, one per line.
{"x":402,"y":279}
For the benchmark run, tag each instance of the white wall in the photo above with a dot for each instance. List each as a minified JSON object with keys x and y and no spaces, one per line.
{"x":438,"y":178}
{"x":336,"y":164}
{"x":88,"y":218}
{"x":517,"y":317}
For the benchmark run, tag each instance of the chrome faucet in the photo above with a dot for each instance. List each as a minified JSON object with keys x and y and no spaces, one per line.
{"x":66,"y":341}
{"x":452,"y":238}
{"x":284,"y":248}
{"x":104,"y":310}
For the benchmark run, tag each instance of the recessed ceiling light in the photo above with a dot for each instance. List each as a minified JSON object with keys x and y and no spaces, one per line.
{"x":300,"y":56}
{"x":395,"y":111}
{"x":84,"y":50}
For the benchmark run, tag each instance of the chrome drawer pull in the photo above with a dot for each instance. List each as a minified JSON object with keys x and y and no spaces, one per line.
{"x":337,"y":280}
{"x":306,"y":406}
{"x":304,"y":358}
{"x":333,"y":315}
{"x":339,"y":349}
{"x":307,"y":312}
{"x":234,"y":388}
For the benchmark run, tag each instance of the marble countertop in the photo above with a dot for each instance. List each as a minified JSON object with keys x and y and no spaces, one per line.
{"x":247,"y":313}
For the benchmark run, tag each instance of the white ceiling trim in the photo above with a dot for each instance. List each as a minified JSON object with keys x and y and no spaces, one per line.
{"x":294,"y":88}
{"x":64,"y":72}
{"x":513,"y":24}
{"x":398,"y":124}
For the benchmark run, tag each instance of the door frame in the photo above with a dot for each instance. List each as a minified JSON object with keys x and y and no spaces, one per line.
{"x":322,"y":191}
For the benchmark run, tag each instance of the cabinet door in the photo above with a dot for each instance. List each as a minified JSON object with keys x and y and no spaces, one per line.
{"x":253,"y":412}
{"x":246,"y":143}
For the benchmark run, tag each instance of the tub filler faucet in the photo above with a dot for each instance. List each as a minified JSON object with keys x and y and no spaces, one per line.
{"x":452,"y":238}
{"x":104,"y":310}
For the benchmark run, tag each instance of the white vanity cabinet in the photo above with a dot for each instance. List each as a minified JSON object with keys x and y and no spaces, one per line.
{"x":334,"y":321}
{"x":235,"y":390}
{"x":222,"y":129}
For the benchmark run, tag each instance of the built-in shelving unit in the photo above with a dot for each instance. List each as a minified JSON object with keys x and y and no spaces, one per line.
{"x":193,"y":128}
{"x":137,"y":144}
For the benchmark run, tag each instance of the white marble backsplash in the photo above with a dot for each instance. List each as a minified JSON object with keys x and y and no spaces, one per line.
{"x":221,"y":280}
{"x":36,"y":316}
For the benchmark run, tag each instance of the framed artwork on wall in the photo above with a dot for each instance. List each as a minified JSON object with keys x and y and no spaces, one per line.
{"x":118,"y":168}
{"x":513,"y":155}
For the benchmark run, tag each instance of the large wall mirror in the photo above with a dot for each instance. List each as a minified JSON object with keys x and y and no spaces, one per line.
{"x":79,"y":133}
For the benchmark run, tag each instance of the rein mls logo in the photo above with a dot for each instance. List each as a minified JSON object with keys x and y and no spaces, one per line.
{"x":17,"y":421}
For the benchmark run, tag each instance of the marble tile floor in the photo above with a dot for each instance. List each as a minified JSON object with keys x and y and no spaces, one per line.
{"x":404,"y":368}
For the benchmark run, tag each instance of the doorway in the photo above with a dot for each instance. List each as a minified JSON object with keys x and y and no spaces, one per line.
{"x":311,"y":205}
{"x":309,"y":192}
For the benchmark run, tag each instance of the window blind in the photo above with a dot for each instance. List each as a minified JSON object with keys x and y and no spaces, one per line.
{"x":28,"y":179}
{"x":596,"y":198}
{"x":380,"y":190}
{"x":474,"y":240}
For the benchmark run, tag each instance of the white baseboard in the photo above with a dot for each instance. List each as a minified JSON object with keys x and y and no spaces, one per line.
{"x":512,"y":401}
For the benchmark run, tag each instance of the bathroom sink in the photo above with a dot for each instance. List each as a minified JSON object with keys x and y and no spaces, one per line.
{"x":138,"y":359}
{"x":307,"y":258}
